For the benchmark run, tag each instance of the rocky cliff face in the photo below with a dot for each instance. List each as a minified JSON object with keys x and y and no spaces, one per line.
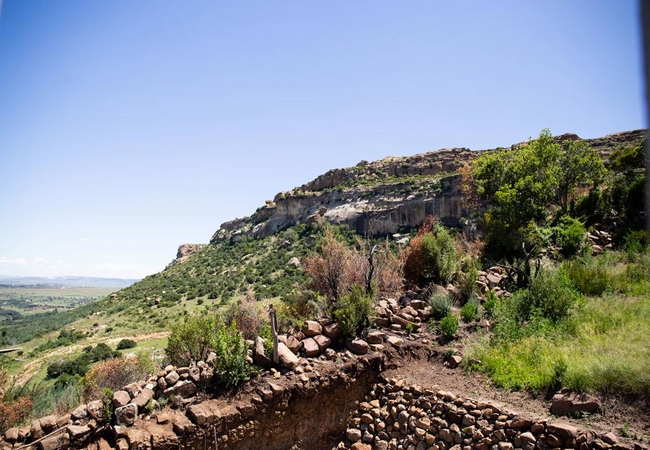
{"x":382,"y":197}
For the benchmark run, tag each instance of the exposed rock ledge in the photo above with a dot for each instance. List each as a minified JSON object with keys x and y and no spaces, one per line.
{"x":383,"y":196}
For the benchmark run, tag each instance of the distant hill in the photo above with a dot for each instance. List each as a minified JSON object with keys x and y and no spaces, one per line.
{"x":69,"y":281}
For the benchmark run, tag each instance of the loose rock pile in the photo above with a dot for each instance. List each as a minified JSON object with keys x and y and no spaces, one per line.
{"x":396,"y":416}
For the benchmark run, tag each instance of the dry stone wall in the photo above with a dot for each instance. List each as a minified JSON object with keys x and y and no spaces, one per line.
{"x":396,"y":416}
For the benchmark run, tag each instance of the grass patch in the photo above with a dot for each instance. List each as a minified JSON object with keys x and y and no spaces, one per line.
{"x":601,"y":347}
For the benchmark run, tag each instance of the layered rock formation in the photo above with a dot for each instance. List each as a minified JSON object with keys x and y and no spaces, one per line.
{"x":384,"y":196}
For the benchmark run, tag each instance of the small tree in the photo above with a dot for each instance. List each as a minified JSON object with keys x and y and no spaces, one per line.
{"x":190,"y":339}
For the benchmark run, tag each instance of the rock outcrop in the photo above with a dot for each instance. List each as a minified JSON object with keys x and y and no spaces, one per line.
{"x":384,"y":196}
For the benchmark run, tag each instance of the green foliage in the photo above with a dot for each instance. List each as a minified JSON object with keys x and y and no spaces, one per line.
{"x":470,"y":310}
{"x":440,"y":305}
{"x":230,"y":366}
{"x":491,"y":303}
{"x":439,"y":254}
{"x":80,"y":365}
{"x":352,"y":311}
{"x":449,"y":326}
{"x":191,"y":339}
{"x":588,"y":275}
{"x":467,"y":284}
{"x":126,"y":343}
{"x":636,"y":242}
{"x":570,"y":235}
{"x":523,"y":182}
{"x":550,"y":296}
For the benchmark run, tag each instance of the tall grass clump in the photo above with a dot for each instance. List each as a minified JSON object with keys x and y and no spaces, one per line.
{"x":440,"y":305}
{"x":588,"y":275}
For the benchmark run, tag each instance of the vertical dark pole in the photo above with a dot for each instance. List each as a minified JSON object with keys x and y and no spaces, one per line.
{"x":645,"y":27}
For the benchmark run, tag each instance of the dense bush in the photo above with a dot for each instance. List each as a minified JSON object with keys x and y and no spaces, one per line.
{"x":352,"y":311}
{"x":115,"y":374}
{"x":13,"y":408}
{"x":126,"y":343}
{"x":550,"y":296}
{"x":636,"y":242}
{"x":431,"y":257}
{"x":449,"y":326}
{"x":80,"y":365}
{"x":191,"y":339}
{"x":588,"y":276}
{"x":440,"y":305}
{"x":470,"y":310}
{"x":570,"y":235}
{"x":467,"y":284}
{"x":249,"y":315}
{"x":231,"y":367}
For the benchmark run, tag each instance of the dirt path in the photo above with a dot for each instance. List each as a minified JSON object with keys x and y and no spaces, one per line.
{"x":30,"y":369}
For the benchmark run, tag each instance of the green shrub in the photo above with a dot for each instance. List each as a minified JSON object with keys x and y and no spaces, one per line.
{"x":588,"y":276}
{"x":439,"y":257}
{"x":470,"y":310}
{"x":491,"y":303}
{"x":549,"y":296}
{"x":449,"y":326}
{"x":126,"y":343}
{"x":190,"y":340}
{"x":231,"y":367}
{"x":636,"y":242}
{"x":467,"y":284}
{"x":352,"y":311}
{"x":440,"y":306}
{"x":570,"y":235}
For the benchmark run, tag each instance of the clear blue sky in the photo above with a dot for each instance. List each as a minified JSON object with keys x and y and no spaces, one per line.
{"x":130,"y":127}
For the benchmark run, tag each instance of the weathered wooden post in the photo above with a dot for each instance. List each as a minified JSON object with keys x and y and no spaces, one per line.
{"x":274,"y":330}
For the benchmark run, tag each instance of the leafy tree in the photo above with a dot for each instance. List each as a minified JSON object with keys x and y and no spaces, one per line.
{"x":523,"y":182}
{"x":579,"y":165}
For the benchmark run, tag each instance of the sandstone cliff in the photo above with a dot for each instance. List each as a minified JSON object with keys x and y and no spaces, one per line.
{"x":384,"y":196}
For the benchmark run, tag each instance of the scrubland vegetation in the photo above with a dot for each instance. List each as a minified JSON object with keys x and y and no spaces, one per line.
{"x":569,"y":315}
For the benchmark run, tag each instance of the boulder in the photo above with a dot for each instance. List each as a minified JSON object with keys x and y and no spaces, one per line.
{"x":48,"y":423}
{"x":376,"y":337}
{"x":259,"y":355}
{"x":77,"y":432}
{"x":293,"y":344}
{"x":566,"y":402}
{"x":11,"y":435}
{"x":172,"y":377}
{"x":563,"y":430}
{"x":294,"y":262}
{"x":454,"y":361}
{"x":357,"y":346}
{"x":322,"y":341}
{"x":96,"y":410}
{"x":55,"y":442}
{"x":182,"y":388}
{"x":79,"y":413}
{"x":120,"y":398}
{"x":287,"y":358}
{"x":310,"y":347}
{"x":312,"y":328}
{"x":143,"y":398}
{"x":125,"y":415}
